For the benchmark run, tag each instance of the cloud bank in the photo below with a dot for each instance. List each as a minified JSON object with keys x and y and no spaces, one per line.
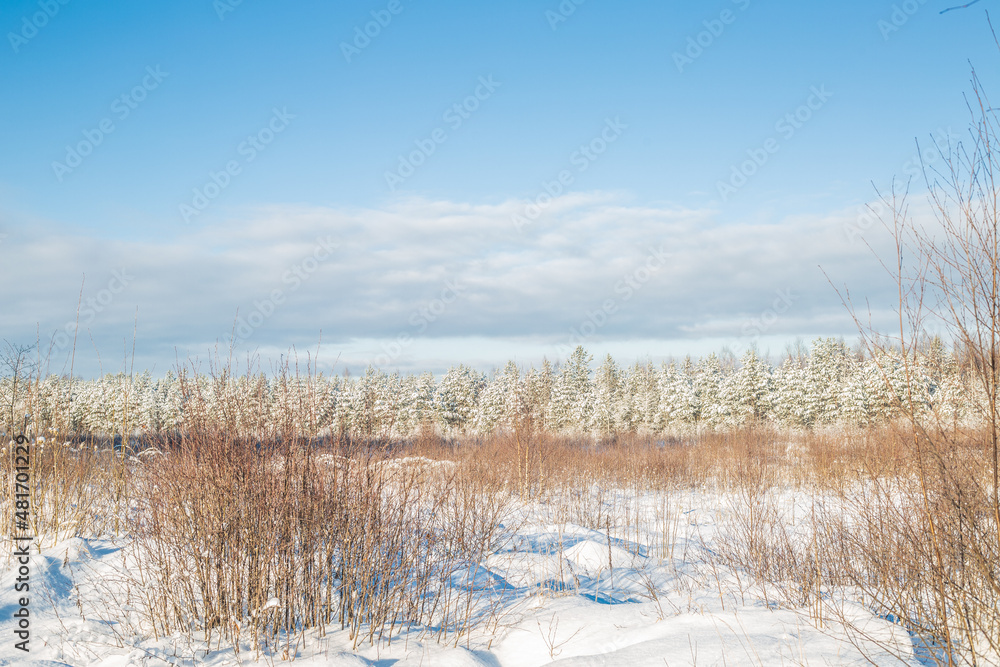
{"x":419,"y":284}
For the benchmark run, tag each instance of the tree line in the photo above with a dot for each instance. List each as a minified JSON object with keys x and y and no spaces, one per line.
{"x":827,"y":385}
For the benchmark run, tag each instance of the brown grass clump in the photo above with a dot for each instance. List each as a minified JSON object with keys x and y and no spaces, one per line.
{"x":260,"y":541}
{"x":75,"y":489}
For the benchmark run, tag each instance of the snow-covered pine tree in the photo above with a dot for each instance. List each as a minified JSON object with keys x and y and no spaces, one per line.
{"x":708,"y":379}
{"x":830,"y":365}
{"x":950,"y":399}
{"x":423,"y":399}
{"x":857,"y":403}
{"x":789,"y":395}
{"x":571,"y":406}
{"x":142,"y":392}
{"x":678,"y":410}
{"x":538,"y":393}
{"x":747,"y":393}
{"x":388,"y":397}
{"x":641,"y":400}
{"x":51,"y":397}
{"x":502,"y":402}
{"x":369,"y":407}
{"x":608,"y":395}
{"x":667,"y":407}
{"x":897,"y":385}
{"x":416,"y":406}
{"x":456,"y":396}
{"x":339,"y":395}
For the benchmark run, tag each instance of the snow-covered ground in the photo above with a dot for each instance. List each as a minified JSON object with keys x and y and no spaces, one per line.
{"x":649,"y":589}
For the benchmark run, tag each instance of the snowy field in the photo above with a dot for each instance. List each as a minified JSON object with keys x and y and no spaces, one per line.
{"x":611,"y":577}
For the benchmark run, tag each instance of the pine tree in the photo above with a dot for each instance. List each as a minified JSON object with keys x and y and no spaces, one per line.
{"x":748,"y":391}
{"x":950,"y":398}
{"x":456,"y":396}
{"x":371,"y":402}
{"x":790,"y":391}
{"x":502,"y":402}
{"x":641,"y":399}
{"x":856,"y":397}
{"x":829,"y":367}
{"x":571,"y":407}
{"x":417,"y":405}
{"x":678,"y":400}
{"x":538,"y":393}
{"x":607,"y":396}
{"x":708,"y":378}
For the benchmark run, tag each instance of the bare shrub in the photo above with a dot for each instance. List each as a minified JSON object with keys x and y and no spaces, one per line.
{"x":261,"y":541}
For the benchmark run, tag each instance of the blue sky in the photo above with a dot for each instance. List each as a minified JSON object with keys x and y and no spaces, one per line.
{"x":257,"y":148}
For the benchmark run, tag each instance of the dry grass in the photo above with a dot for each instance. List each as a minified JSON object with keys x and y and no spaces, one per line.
{"x":76,"y":489}
{"x":260,"y":541}
{"x":858,"y":530}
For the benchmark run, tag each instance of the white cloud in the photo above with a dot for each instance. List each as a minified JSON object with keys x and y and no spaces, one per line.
{"x":532,"y":287}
